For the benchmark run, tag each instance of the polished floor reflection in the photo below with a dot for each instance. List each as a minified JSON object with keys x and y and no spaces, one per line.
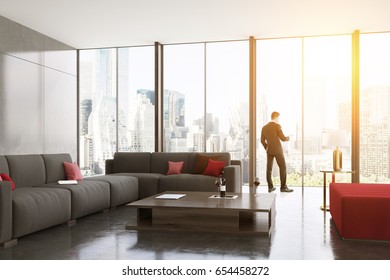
{"x":302,"y":232}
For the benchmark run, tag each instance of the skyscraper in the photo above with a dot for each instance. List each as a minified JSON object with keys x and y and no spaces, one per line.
{"x":174,"y":103}
{"x":375,"y":132}
{"x":141,"y":124}
{"x":86,"y":110}
{"x":98,"y":109}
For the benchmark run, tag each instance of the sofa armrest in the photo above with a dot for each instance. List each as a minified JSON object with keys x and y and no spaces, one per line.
{"x":232,"y":174}
{"x":5,"y":212}
{"x":109,"y":166}
{"x":239,"y":163}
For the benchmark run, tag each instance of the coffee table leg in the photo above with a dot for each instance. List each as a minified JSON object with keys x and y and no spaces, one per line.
{"x":271,"y":218}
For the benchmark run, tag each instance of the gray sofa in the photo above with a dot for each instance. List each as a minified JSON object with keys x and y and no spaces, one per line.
{"x":39,"y":202}
{"x":151,"y":170}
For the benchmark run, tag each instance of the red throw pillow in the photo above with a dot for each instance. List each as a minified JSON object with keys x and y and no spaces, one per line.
{"x":214,"y":168}
{"x":72,"y":171}
{"x":201,"y":163}
{"x":174,"y":167}
{"x":6,"y":177}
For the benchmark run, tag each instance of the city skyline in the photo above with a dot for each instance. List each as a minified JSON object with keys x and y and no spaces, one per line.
{"x":181,"y":137}
{"x":191,"y":124}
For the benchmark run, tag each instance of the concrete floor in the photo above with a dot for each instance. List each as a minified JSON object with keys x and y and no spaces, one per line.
{"x":302,"y":232}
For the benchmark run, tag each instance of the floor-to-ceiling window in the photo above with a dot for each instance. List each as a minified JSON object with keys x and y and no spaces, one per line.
{"x":227,"y":100}
{"x":314,"y":72}
{"x":206,"y":102}
{"x":136,"y":99}
{"x":327,"y":82}
{"x":206,"y":98}
{"x":97,"y":115}
{"x":375,"y":108}
{"x":279,"y":88}
{"x":183,"y":98}
{"x":116,"y":95}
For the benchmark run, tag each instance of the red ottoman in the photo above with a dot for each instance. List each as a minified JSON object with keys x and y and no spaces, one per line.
{"x":361,"y":211}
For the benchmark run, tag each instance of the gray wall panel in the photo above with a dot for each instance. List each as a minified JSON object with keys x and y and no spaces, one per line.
{"x":3,"y":34}
{"x":38,"y":92}
{"x":20,"y":41}
{"x":60,"y":113}
{"x":21,"y":106}
{"x":60,"y":56}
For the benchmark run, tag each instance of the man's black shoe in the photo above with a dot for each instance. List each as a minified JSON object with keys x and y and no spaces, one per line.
{"x":271,"y":189}
{"x":286,"y":190}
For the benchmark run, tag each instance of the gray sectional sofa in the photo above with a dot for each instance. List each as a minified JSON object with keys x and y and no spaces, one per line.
{"x":151,"y":170}
{"x":39,"y":202}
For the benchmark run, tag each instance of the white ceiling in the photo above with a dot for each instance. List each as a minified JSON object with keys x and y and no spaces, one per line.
{"x":108,"y":23}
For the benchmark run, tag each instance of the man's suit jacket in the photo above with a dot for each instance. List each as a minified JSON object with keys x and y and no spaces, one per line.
{"x":271,"y":134}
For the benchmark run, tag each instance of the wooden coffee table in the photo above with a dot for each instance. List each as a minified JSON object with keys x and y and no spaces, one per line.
{"x":246,"y":214}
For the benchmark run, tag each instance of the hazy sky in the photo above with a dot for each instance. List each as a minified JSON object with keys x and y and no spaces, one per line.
{"x":221,"y":70}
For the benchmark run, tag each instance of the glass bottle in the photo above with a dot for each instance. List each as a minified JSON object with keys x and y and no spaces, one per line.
{"x":222,"y":185}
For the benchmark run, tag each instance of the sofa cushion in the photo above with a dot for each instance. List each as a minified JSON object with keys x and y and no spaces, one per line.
{"x":27,"y":170}
{"x":159,"y":162}
{"x":72,"y":171}
{"x":34,"y":209}
{"x":131,"y":162}
{"x":55,"y":167}
{"x":147,"y":182}
{"x":87,"y":197}
{"x":187,"y":182}
{"x":5,"y":212}
{"x":123,"y":189}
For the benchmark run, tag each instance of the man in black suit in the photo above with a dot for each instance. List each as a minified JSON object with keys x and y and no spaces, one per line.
{"x":271,"y":135}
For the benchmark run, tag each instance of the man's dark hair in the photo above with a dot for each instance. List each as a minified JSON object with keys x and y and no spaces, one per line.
{"x":274,"y":115}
